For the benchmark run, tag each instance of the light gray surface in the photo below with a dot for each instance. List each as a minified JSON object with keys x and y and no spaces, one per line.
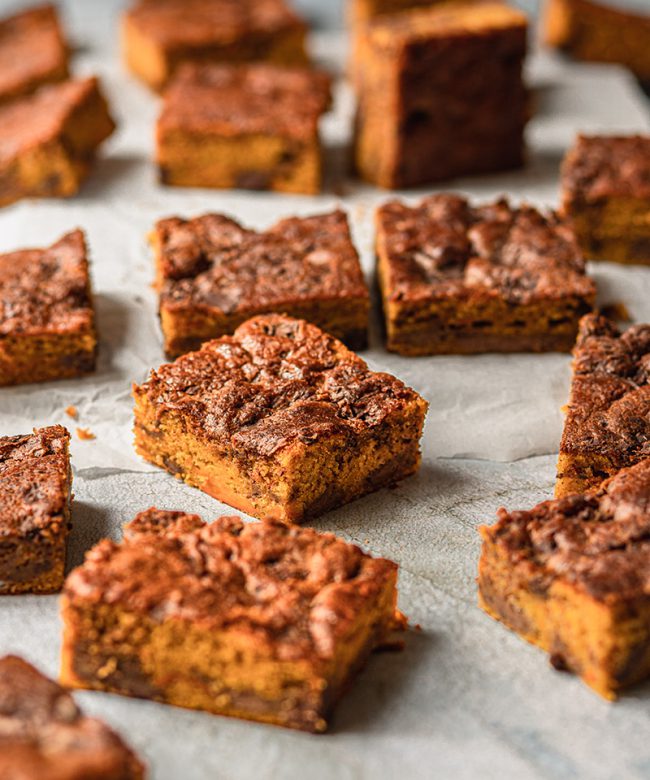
{"x":466,"y":699}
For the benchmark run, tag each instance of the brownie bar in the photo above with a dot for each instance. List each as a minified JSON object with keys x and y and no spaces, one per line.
{"x":257,"y":621}
{"x":47,"y":322}
{"x":213,"y":274}
{"x":571,"y":576}
{"x":457,"y":278}
{"x":45,"y":736}
{"x":35,"y":494}
{"x":607,"y":425}
{"x":279,"y":420}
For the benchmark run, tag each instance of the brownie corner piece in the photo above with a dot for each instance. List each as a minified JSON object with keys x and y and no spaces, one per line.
{"x":456,"y":278}
{"x":606,"y":196}
{"x":267,"y":622}
{"x":44,"y":734}
{"x":251,"y":126}
{"x":213,"y":274}
{"x":35,"y":495}
{"x":47,"y":320}
{"x":279,"y":420}
{"x":570,"y":576}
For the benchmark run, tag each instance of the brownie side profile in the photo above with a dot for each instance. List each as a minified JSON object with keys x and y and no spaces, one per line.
{"x":45,"y":736}
{"x":157,"y":38}
{"x":243,"y":126}
{"x":440,"y":94}
{"x":606,"y":196}
{"x":47,"y":321}
{"x":35,"y":495}
{"x":572,"y":576}
{"x":33,"y":51}
{"x":459,"y":278}
{"x":213,"y":275}
{"x":48,"y":140}
{"x":607,"y":424}
{"x":260,"y":621}
{"x":279,"y":420}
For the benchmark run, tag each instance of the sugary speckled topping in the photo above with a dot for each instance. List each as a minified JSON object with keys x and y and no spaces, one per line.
{"x":599,"y":542}
{"x":213,"y":261}
{"x":293,"y":589}
{"x":444,"y":247}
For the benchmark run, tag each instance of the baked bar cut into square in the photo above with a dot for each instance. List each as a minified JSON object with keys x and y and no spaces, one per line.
{"x":48,"y":140}
{"x":440,"y":94}
{"x":213,"y":275}
{"x":35,"y":494}
{"x":45,"y":736}
{"x":243,"y":126}
{"x":606,"y":196}
{"x":458,"y":278}
{"x":33,"y":51}
{"x":279,"y":420}
{"x":47,"y":321}
{"x":571,"y":576}
{"x":607,"y":425}
{"x":362,"y":11}
{"x":160,"y":35}
{"x":260,"y":621}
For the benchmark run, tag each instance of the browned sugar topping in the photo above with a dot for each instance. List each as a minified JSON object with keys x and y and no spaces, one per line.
{"x":245,"y":99}
{"x":601,"y":167}
{"x":213,"y":261}
{"x":46,"y":290}
{"x":189,"y":23}
{"x":444,"y":247}
{"x":44,"y":735}
{"x":33,"y":480}
{"x":275,"y":382}
{"x":609,"y":407}
{"x":296,"y":590}
{"x":600,"y":543}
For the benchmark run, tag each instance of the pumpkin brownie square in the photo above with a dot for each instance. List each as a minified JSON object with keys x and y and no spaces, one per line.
{"x":571,"y":576}
{"x":47,"y":321}
{"x":460,"y":279}
{"x":606,"y":196}
{"x":33,"y":52}
{"x":260,"y":621}
{"x":35,"y":494}
{"x":279,"y":420}
{"x":213,"y":275}
{"x":48,"y":140}
{"x":243,"y":126}
{"x":160,"y":35}
{"x":440,"y":94}
{"x":607,"y":425}
{"x":45,"y":736}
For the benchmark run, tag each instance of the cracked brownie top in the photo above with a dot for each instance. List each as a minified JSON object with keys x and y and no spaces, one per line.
{"x":296,"y":591}
{"x":599,"y":542}
{"x":212,"y":261}
{"x":446,"y":248}
{"x":275,"y":382}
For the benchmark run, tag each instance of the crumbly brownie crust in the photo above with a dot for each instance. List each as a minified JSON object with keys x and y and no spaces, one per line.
{"x":44,"y":735}
{"x":212,"y":266}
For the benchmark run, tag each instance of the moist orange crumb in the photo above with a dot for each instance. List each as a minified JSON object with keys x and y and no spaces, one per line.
{"x":85,"y":434}
{"x":72,"y":411}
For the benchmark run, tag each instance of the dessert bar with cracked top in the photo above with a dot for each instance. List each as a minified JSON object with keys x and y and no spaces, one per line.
{"x":47,"y":321}
{"x":606,"y":196}
{"x":458,"y":278}
{"x":607,"y":425}
{"x":213,"y":275}
{"x":45,"y":736}
{"x":573,"y":576}
{"x":160,"y":35}
{"x":279,"y":420}
{"x":35,"y":495}
{"x":243,"y":126}
{"x":260,"y":621}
